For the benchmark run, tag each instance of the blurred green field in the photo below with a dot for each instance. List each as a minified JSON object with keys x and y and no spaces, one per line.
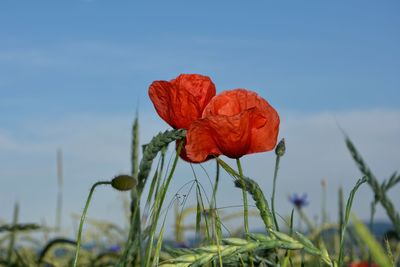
{"x":200,"y":238}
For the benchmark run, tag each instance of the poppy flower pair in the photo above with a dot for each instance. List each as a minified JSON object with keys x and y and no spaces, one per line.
{"x":233,"y":123}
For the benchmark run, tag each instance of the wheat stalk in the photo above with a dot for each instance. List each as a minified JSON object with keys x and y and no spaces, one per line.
{"x":237,"y":246}
{"x":380,"y":192}
{"x":254,"y":189}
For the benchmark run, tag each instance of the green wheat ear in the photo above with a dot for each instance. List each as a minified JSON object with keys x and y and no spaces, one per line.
{"x":254,"y":189}
{"x":151,"y":150}
{"x":380,"y":191}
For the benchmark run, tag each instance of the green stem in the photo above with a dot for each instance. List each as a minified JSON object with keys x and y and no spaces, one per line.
{"x":273,"y":191}
{"x":13,"y":234}
{"x":159,"y":206}
{"x":78,"y":240}
{"x":341,"y":213}
{"x":244,"y":194}
{"x":203,"y":208}
{"x":215,"y":188}
{"x":213,"y":205}
{"x":135,"y":198}
{"x":132,"y":238}
{"x":323,"y":206}
{"x":254,"y":189}
{"x":371,"y":226}
{"x":307,"y":220}
{"x":277,"y":160}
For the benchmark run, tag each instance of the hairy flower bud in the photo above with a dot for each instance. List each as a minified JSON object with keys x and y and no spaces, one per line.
{"x":123,"y":182}
{"x":280,"y":148}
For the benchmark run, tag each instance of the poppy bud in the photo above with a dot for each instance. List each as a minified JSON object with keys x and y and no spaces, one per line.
{"x":123,"y":182}
{"x":280,"y":148}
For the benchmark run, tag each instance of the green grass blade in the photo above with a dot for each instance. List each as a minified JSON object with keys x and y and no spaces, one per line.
{"x":228,"y":168}
{"x":377,"y":252}
{"x":158,"y":204}
{"x":291,"y":223}
{"x":152,"y":188}
{"x":287,"y":257}
{"x":198,"y":216}
{"x":393,"y":180}
{"x":156,"y":256}
{"x":161,"y":170}
{"x":346,"y":218}
{"x":308,"y":245}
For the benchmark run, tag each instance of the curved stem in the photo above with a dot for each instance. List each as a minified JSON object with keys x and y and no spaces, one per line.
{"x":273,"y":192}
{"x":78,"y":240}
{"x":244,"y":194}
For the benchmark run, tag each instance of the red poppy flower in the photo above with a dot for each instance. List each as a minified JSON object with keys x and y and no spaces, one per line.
{"x":362,"y":264}
{"x":234,"y":123}
{"x":182,"y":100}
{"x":183,"y":154}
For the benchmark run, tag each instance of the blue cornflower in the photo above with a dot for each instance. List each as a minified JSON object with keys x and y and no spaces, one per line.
{"x":114,"y":248}
{"x":298,"y":201}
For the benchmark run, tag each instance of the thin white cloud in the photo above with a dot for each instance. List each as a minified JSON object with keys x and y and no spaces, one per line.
{"x":27,"y":57}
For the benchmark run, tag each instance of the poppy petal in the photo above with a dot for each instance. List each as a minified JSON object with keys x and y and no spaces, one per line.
{"x":265,"y":129}
{"x":161,"y":94}
{"x":234,"y":123}
{"x":200,"y":141}
{"x":183,"y":153}
{"x":182,"y":100}
{"x":199,"y":86}
{"x":232,"y":102}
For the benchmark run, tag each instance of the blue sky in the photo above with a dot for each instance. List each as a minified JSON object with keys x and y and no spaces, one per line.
{"x":83,"y":56}
{"x":68,"y":68}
